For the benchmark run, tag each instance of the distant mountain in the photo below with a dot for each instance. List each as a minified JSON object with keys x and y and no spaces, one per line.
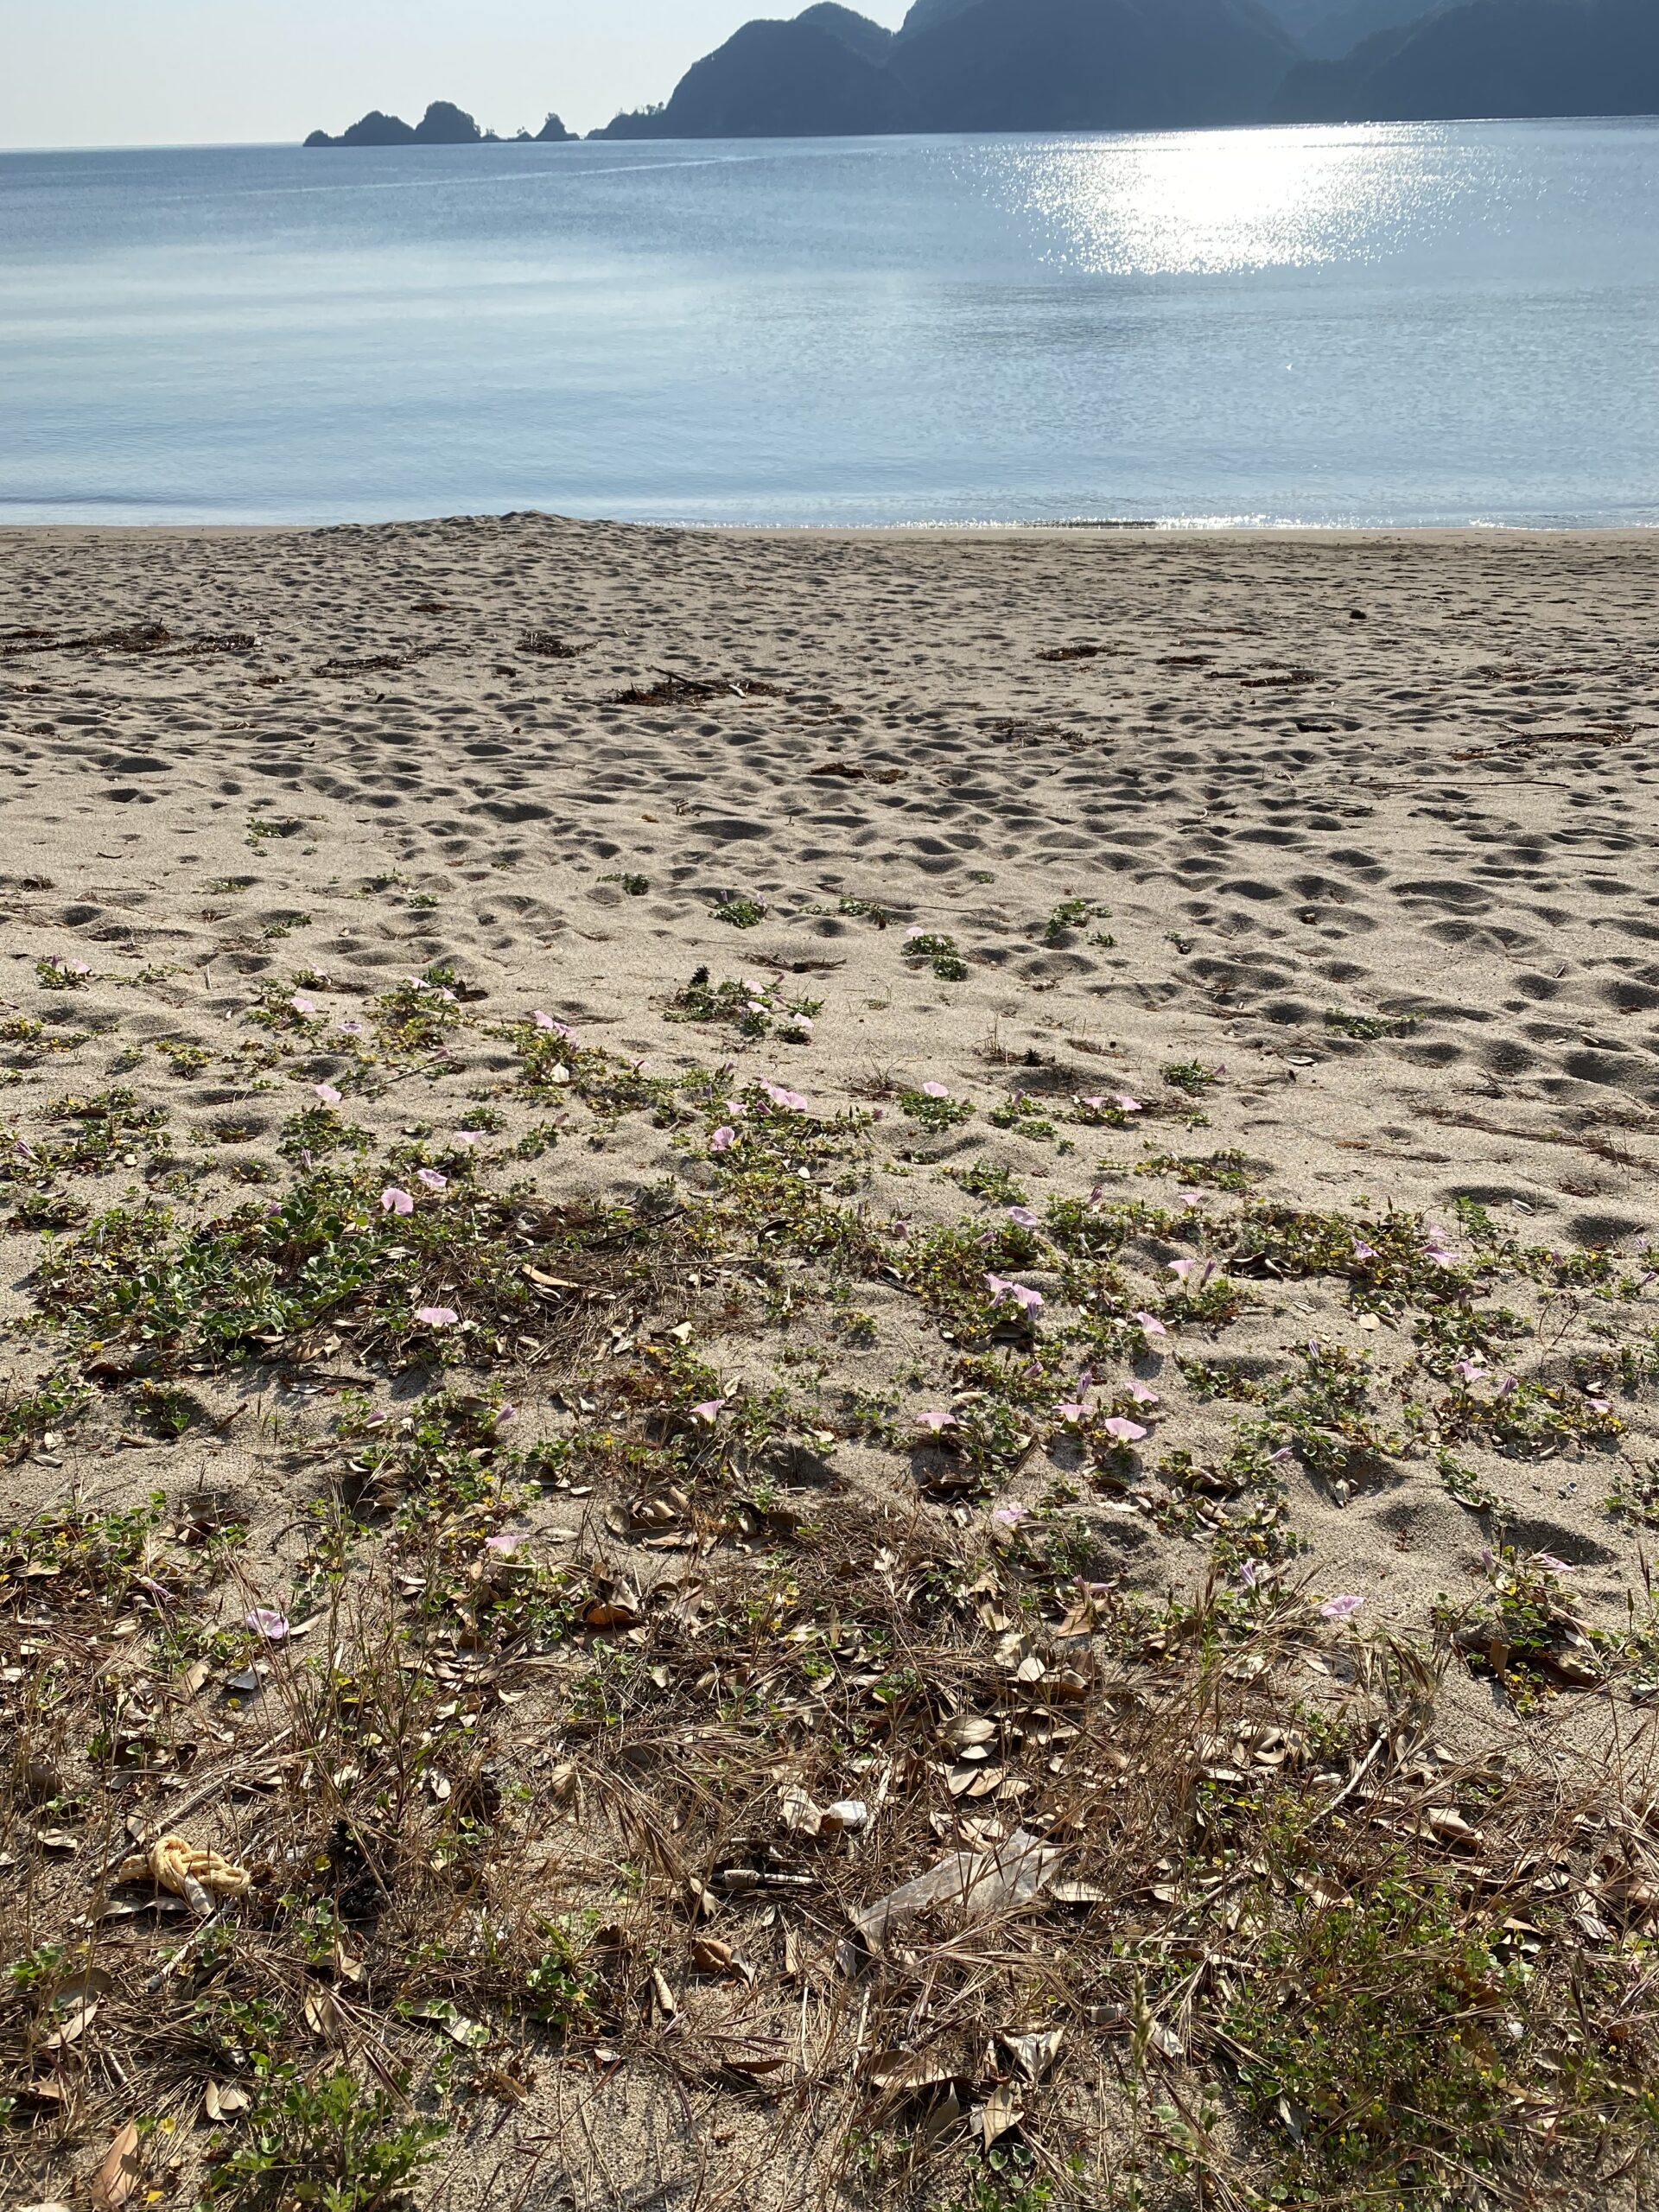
{"x":1490,"y":57}
{"x":443,"y":125}
{"x":1091,"y":65}
{"x":823,"y":75}
{"x":1327,"y":30}
{"x":926,"y":13}
{"x":981,"y":65}
{"x":1129,"y":65}
{"x":858,"y":33}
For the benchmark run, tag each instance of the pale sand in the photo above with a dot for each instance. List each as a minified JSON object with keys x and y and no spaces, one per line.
{"x":1446,"y":812}
{"x":1444,"y":809}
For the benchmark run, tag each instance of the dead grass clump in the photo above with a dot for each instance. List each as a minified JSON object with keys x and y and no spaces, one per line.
{"x":672,"y":691}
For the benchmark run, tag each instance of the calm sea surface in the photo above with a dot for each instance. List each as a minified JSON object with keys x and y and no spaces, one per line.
{"x":1395,"y":324}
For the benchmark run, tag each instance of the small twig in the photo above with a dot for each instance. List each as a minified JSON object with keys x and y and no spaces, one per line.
{"x":1352,"y":1783}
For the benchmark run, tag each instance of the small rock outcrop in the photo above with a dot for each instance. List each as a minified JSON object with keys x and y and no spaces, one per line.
{"x":443,"y":125}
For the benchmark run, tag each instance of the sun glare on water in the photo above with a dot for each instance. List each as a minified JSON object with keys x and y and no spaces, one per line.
{"x":1214,"y":202}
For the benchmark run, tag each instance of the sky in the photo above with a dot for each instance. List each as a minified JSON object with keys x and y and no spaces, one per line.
{"x":162,"y":72}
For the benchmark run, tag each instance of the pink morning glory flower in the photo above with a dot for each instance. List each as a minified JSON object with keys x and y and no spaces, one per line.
{"x":1548,"y":1561}
{"x":1340,"y":1609}
{"x":1470,"y":1369}
{"x":938,"y":1422}
{"x":502,"y":1546}
{"x":1189,"y":1199}
{"x":934,"y":1091}
{"x":437,"y":1317}
{"x":393,"y":1200}
{"x":468,"y":1137}
{"x":328,"y":1094}
{"x":556,"y":1029}
{"x":432,"y":1180}
{"x":1142,"y":1397}
{"x":1186,"y":1271}
{"x":1363,"y":1252}
{"x":1151,"y":1325}
{"x":722,"y":1139}
{"x":791,"y":1100}
{"x":1010,"y":1517}
{"x":272,"y":1625}
{"x":302,"y":1005}
{"x":1124,"y":1432}
{"x":710,"y":1411}
{"x":1022,"y":1216}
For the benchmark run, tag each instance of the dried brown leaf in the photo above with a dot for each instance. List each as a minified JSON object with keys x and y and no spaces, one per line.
{"x":119,"y":2176}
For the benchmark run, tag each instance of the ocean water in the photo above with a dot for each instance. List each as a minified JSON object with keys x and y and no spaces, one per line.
{"x":1391,"y":324}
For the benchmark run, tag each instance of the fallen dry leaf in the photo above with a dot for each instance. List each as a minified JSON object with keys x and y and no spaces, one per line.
{"x":471,"y":2035}
{"x":74,"y":2026}
{"x":801,"y":1815}
{"x":912,"y":2073}
{"x":1035,"y":2052}
{"x":757,"y":2063}
{"x":1001,"y":2112}
{"x":978,"y":1884}
{"x":322,"y":2016}
{"x":119,"y":2176}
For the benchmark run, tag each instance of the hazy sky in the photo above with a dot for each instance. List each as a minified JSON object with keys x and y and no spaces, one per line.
{"x":100,"y":73}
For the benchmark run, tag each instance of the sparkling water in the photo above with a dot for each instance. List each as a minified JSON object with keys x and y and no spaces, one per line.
{"x":1426,"y":323}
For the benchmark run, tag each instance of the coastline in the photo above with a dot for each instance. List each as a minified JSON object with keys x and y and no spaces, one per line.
{"x":1333,"y":534}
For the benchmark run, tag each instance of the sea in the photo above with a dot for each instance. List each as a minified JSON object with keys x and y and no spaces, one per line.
{"x":1420,"y":324}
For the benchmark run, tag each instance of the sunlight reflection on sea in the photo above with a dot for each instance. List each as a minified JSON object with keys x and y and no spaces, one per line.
{"x":1204,"y":203}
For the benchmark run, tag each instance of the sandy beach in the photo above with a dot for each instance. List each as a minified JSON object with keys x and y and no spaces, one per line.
{"x":1286,"y":903}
